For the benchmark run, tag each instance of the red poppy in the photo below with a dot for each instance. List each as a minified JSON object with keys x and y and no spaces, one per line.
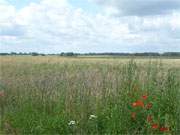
{"x":154,"y":126}
{"x":149,"y":118}
{"x":133,"y":115}
{"x":164,"y":129}
{"x":144,"y":97}
{"x":138,"y":103}
{"x":149,"y":105}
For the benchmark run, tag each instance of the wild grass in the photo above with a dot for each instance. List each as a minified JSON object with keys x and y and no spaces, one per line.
{"x":89,"y":96}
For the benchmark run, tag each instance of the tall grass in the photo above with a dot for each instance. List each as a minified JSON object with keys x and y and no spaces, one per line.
{"x":89,"y":98}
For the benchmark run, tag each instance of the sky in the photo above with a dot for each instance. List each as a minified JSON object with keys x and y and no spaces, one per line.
{"x":82,"y":26}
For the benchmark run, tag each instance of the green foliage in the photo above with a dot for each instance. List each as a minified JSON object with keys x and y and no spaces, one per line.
{"x":45,"y":98}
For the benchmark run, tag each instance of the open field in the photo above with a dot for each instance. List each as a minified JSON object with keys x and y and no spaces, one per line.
{"x":60,"y":95}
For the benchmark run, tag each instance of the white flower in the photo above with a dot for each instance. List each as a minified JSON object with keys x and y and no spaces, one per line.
{"x":72,"y":122}
{"x":92,"y":117}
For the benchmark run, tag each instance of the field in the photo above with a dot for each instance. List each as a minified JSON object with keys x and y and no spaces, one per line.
{"x":60,"y":95}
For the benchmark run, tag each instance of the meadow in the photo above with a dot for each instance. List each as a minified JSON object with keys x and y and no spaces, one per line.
{"x":60,"y":95}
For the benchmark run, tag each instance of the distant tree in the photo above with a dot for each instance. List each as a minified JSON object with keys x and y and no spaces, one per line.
{"x":13,"y":53}
{"x":34,"y":54}
{"x":147,"y":54}
{"x":68,"y":54}
{"x":171,"y":54}
{"x":4,"y":54}
{"x":62,"y":54}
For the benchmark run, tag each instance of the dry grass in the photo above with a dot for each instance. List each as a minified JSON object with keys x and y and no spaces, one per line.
{"x":43,"y":94}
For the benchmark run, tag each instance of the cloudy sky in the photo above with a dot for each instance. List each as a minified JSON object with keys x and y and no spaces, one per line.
{"x":53,"y":26}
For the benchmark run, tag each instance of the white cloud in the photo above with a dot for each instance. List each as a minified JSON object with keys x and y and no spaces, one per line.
{"x":55,"y":26}
{"x":7,"y":12}
{"x":3,"y":2}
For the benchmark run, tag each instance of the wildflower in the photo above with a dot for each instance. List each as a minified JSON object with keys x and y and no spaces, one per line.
{"x":92,"y":117}
{"x":164,"y":129}
{"x":72,"y":122}
{"x":133,"y":115}
{"x":138,"y":103}
{"x":149,"y":118}
{"x":154,"y":126}
{"x":1,"y":94}
{"x":144,"y":97}
{"x":149,"y":105}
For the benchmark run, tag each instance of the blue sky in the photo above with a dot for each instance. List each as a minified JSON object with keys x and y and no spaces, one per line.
{"x":53,"y":26}
{"x":21,"y":3}
{"x":84,"y":4}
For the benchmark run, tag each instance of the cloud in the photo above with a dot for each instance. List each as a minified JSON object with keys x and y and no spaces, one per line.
{"x":67,"y":27}
{"x":3,"y":2}
{"x":7,"y":12}
{"x":140,"y":7}
{"x":56,"y":26}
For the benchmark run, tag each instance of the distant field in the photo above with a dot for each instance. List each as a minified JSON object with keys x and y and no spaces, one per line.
{"x":89,"y":95}
{"x":172,"y":62}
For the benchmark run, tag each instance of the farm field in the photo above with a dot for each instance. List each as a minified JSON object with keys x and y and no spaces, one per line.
{"x":84,"y":95}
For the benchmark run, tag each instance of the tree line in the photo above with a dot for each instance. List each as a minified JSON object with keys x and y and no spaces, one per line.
{"x":174,"y":54}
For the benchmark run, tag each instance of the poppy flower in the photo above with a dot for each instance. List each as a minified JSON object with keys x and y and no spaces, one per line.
{"x":144,"y":97}
{"x":149,"y":118}
{"x":154,"y":126}
{"x":138,"y":103}
{"x":149,"y":105}
{"x":164,"y":129}
{"x":133,"y":115}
